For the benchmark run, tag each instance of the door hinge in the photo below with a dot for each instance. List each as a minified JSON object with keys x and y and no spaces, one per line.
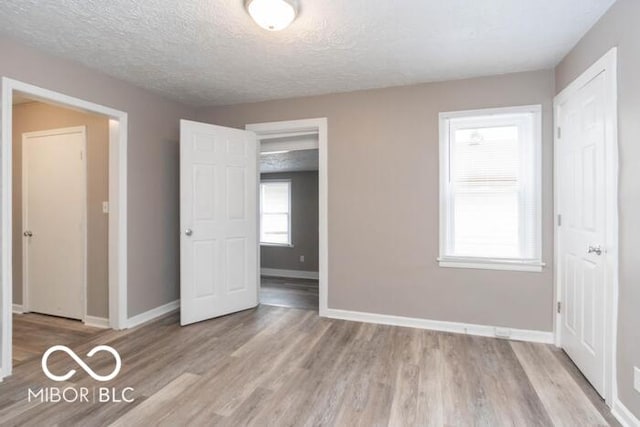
{"x":559,"y":308}
{"x":82,"y":155}
{"x":559,"y":133}
{"x":559,"y":220}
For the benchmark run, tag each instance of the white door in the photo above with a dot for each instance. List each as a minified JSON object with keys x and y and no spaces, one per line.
{"x":582,"y":205}
{"x":53,"y":215}
{"x":219,"y":221}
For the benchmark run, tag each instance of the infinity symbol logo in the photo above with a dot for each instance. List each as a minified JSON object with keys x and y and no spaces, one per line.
{"x":80,"y":362}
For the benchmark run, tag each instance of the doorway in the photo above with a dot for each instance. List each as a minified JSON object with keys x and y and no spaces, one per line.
{"x":293,"y":162}
{"x":586,"y":232}
{"x":289,"y":223}
{"x":115,"y":210}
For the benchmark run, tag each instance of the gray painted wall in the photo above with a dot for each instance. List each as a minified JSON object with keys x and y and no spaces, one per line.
{"x":383,"y":200}
{"x":153,"y":197}
{"x":619,"y":27}
{"x":37,"y":116}
{"x":304,"y":225}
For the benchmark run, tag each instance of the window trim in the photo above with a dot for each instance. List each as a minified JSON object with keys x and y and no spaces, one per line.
{"x":491,"y":263}
{"x":289,"y":243}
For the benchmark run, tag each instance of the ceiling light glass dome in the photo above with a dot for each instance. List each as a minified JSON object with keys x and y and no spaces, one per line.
{"x":272,"y":15}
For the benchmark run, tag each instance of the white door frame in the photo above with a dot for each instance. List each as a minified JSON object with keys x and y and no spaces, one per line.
{"x":25,"y":251}
{"x":301,"y":128}
{"x":607,"y":65}
{"x":117,"y":209}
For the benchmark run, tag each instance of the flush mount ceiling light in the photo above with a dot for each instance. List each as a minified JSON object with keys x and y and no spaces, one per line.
{"x":272,"y":15}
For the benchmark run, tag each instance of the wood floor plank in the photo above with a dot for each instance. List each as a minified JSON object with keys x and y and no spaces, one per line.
{"x":153,"y":410}
{"x":94,"y":415}
{"x":464,"y":395}
{"x":296,"y":352}
{"x":246,"y":413}
{"x":597,"y":401}
{"x":405,"y":396}
{"x":429,"y":405}
{"x":506,"y":382}
{"x":563,"y":399}
{"x":367,"y":396}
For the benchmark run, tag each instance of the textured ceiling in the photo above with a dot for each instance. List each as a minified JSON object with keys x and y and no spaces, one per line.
{"x":292,"y":161}
{"x":209,"y":52}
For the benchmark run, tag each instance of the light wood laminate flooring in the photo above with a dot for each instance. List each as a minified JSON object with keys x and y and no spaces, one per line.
{"x":286,"y":292}
{"x":274,"y":366}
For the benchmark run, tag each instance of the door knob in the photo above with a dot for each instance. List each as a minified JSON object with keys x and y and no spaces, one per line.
{"x":595,"y":250}
{"x":188,"y":232}
{"x":28,"y":233}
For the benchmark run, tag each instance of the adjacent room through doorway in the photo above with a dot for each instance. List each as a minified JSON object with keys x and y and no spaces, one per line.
{"x":289,"y":237}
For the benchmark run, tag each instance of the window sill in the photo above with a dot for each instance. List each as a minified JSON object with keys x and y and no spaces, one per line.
{"x":278,"y":245}
{"x":489,"y":264}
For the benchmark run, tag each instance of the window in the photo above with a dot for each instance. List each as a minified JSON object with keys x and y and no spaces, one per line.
{"x":490,"y":189}
{"x":275,"y":213}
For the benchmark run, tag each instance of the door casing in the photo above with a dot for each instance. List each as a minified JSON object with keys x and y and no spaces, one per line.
{"x":118,"y":136}
{"x":302,"y":127}
{"x":607,"y":65}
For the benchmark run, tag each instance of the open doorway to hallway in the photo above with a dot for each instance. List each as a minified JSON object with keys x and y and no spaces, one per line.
{"x":64,"y":218}
{"x":60,"y":225}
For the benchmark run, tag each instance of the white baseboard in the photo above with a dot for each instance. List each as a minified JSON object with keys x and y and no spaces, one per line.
{"x":292,"y":274}
{"x":18,"y":309}
{"x":96,"y":322}
{"x":624,"y":415}
{"x":438,"y":325}
{"x":154,"y":313}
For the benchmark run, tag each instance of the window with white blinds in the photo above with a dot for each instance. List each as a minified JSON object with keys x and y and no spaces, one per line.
{"x":490,"y":189}
{"x":275,"y":212}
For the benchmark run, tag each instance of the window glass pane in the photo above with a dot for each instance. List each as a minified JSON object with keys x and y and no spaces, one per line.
{"x":275,"y":197}
{"x":486,"y":154}
{"x":273,"y":223}
{"x":486,"y":222}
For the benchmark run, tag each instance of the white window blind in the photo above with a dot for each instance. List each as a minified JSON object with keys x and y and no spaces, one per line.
{"x":490,"y":173}
{"x":275,"y":212}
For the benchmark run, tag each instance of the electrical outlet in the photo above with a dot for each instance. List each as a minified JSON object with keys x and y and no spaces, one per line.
{"x":105,"y":207}
{"x":636,"y":379}
{"x":301,"y":258}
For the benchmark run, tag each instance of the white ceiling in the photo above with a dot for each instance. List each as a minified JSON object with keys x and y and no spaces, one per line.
{"x":209,"y":52}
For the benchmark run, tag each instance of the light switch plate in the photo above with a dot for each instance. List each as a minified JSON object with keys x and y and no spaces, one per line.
{"x":636,"y":379}
{"x":105,"y":207}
